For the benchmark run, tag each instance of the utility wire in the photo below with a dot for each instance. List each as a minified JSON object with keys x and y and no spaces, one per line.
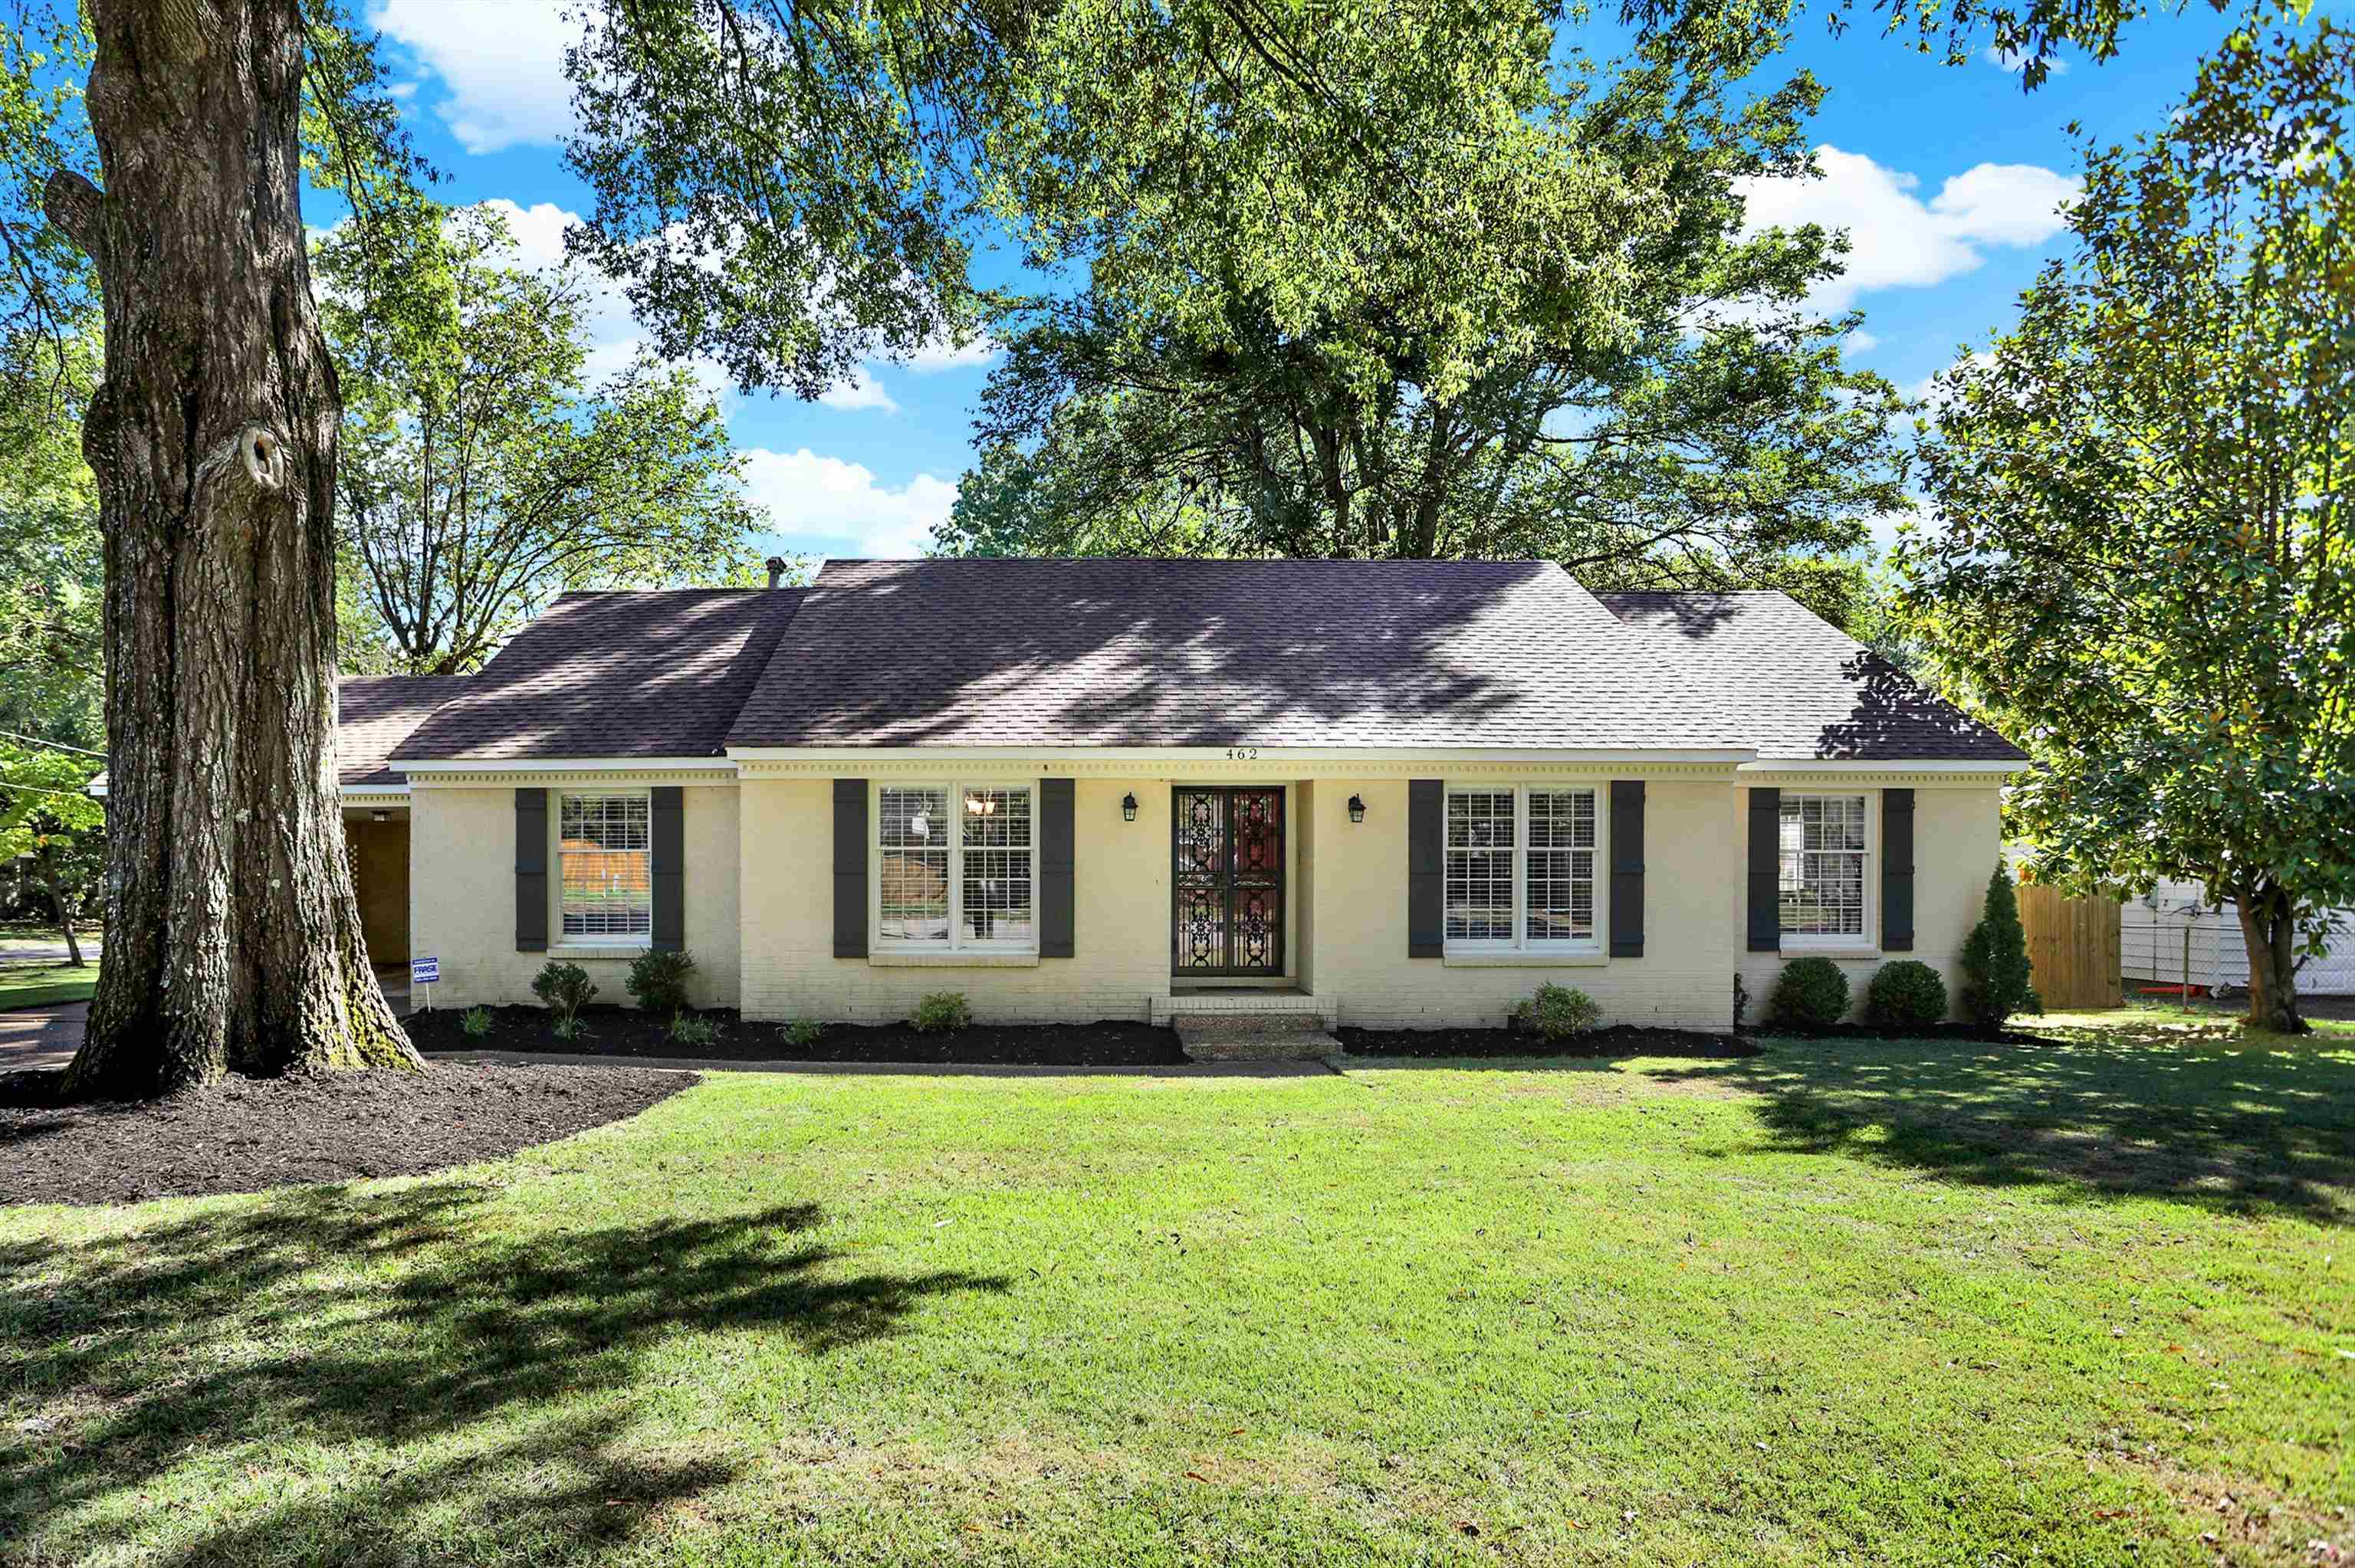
{"x":52,"y":745}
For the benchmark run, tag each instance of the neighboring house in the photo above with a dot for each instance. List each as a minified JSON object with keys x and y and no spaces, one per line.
{"x":2172,"y":936}
{"x":1388,"y":794}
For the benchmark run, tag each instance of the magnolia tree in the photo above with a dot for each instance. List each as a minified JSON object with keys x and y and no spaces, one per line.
{"x":2141,"y":566}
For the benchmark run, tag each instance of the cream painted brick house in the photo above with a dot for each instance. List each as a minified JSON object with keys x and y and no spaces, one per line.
{"x":1385,"y":794}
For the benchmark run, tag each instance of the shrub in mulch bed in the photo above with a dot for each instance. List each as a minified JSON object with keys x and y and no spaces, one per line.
{"x":242,"y":1135}
{"x":1619,"y":1040}
{"x":632,"y":1033}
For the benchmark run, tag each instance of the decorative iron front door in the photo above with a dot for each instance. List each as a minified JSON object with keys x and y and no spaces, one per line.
{"x":1229,"y":887}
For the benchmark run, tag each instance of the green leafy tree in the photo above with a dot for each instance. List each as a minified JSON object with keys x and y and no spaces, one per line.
{"x":2142,"y":566}
{"x":47,"y":820}
{"x":1668,"y":414}
{"x":52,"y":566}
{"x":483,"y":473}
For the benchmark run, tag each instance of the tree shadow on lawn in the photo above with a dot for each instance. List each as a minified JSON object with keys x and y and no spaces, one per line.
{"x":331,"y":1316}
{"x":2241,"y":1130}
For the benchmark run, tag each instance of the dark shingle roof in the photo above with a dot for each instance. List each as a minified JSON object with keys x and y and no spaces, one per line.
{"x":656,"y":673}
{"x":1800,"y":687}
{"x":374,"y":714}
{"x":1217,"y":653}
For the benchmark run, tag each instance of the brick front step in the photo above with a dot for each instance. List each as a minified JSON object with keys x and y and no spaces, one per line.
{"x":1221,"y":1040}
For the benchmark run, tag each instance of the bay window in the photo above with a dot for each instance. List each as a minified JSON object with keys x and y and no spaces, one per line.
{"x":1520,"y":868}
{"x":1822,"y":872}
{"x":955,"y":868}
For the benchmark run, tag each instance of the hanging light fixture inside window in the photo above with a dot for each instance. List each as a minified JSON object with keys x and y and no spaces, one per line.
{"x":1357,"y":808}
{"x":979,"y":805}
{"x":1128,"y":808}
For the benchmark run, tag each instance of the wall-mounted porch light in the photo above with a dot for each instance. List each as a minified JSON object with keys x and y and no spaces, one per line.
{"x":1357,"y":808}
{"x":1128,"y":808}
{"x":379,"y":816}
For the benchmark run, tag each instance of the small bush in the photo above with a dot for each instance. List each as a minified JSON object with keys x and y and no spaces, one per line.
{"x":566,"y":988}
{"x":692,"y":1029}
{"x":659,"y":981}
{"x":942,"y":1013}
{"x":570,"y":1026}
{"x":1907,"y":994}
{"x":1812,"y":993}
{"x":474,"y":1023}
{"x":803,"y":1031}
{"x":1558,"y":1012}
{"x":1998,"y":978}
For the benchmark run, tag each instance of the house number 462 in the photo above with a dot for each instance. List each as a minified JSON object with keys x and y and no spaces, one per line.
{"x":1242,"y":753}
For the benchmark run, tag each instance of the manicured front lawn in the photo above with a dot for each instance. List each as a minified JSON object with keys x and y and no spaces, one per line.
{"x":41,"y":983}
{"x":1895,"y":1304}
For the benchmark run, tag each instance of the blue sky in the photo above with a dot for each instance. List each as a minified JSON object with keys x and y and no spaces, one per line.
{"x":1945,"y":175}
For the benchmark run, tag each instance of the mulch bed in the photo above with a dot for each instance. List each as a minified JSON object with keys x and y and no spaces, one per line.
{"x":1960,"y":1034}
{"x":631,"y":1033}
{"x":242,"y":1135}
{"x":1619,"y":1040}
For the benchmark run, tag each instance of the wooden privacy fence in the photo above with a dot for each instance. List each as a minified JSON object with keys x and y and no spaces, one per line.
{"x":2073,"y":944}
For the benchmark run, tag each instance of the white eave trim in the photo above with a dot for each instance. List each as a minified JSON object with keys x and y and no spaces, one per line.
{"x":1721,"y":756}
{"x":1895,"y":764}
{"x":375,"y":791}
{"x":566,"y":765}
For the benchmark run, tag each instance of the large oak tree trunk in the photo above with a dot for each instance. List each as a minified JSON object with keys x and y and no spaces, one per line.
{"x":233,"y":940}
{"x":2269,"y":931}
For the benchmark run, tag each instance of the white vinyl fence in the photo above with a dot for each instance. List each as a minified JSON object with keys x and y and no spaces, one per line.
{"x":2173,"y":939}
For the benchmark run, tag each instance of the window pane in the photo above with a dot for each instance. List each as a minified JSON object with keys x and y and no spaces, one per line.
{"x":1479,"y":873}
{"x":997,"y":884}
{"x":914,"y":894}
{"x":605,"y":858}
{"x":1561,"y":865}
{"x":1822,"y":870}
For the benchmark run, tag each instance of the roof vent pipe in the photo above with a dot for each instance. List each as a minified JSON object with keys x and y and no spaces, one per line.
{"x":776,"y":565}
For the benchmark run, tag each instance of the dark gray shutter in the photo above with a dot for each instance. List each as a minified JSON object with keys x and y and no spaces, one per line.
{"x":1766,"y":876}
{"x":1055,"y":900}
{"x":850,"y":868}
{"x":1626,"y":868}
{"x":669,"y":852}
{"x":531,"y":871}
{"x":1897,"y":871}
{"x":1426,"y":868}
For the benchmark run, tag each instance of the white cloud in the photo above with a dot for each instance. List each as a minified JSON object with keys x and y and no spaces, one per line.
{"x":502,"y":66}
{"x":861,"y":391}
{"x":1862,"y":342}
{"x":1897,"y":240}
{"x":829,"y":499}
{"x":2007,"y":60}
{"x":941,"y":354}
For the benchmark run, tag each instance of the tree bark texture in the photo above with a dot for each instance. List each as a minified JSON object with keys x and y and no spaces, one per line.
{"x":234,"y":938}
{"x":64,"y":915}
{"x":2269,"y":931}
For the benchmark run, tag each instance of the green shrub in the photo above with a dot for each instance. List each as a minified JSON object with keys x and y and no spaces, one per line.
{"x":569,"y":1027}
{"x":942,"y":1013}
{"x":566,"y":988}
{"x":474,"y":1023}
{"x":1811,"y":994}
{"x":1997,"y":980}
{"x":692,"y":1029}
{"x":1907,"y":994}
{"x":1558,"y":1012}
{"x":659,"y":981}
{"x":803,"y":1032}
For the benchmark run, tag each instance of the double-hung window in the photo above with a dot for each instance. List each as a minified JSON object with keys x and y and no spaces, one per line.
{"x":1520,"y":868}
{"x":955,"y":868}
{"x":606,"y":850}
{"x":1823,"y":874}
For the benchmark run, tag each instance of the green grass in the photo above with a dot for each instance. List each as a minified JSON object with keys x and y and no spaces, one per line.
{"x":1839,"y":1302}
{"x":39,"y":984}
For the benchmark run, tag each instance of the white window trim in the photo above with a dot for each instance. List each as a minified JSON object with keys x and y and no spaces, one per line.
{"x":1865,"y":940}
{"x":1595,"y":947}
{"x":563,"y":941}
{"x":958,"y":942}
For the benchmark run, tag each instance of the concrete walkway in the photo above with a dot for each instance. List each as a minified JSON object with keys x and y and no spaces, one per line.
{"x":45,"y":949}
{"x":41,"y":1036}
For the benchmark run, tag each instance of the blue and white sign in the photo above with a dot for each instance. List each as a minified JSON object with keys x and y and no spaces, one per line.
{"x":424,"y":971}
